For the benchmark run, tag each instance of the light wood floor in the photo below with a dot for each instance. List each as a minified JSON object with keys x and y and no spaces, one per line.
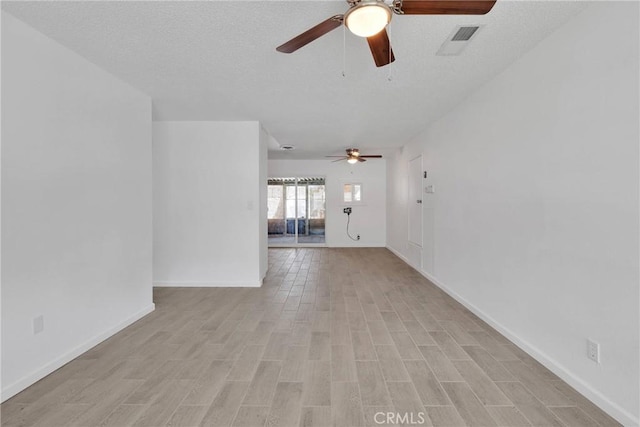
{"x":334,"y":337}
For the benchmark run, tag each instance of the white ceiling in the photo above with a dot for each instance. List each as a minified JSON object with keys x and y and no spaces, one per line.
{"x":216,"y":60}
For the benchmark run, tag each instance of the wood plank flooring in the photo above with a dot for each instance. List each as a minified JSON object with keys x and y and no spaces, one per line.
{"x":335,"y":337}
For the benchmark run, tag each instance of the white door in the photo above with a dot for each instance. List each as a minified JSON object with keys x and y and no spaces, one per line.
{"x":415,"y":201}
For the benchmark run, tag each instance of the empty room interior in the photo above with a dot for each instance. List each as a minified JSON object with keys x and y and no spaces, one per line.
{"x":320,"y":213}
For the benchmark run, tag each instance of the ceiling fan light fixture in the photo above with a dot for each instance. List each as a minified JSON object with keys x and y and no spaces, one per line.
{"x":352,"y":160}
{"x":367,"y":18}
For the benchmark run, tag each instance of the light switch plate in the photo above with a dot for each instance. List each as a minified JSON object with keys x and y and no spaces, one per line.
{"x":38,"y":324}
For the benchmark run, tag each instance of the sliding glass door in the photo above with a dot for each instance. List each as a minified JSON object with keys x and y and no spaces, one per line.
{"x":296,"y":211}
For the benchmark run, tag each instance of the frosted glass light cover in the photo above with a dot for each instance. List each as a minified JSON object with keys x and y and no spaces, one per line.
{"x":368,"y":19}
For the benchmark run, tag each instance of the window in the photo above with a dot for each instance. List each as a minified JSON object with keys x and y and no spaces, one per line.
{"x":291,"y":201}
{"x":302,"y":201}
{"x":275,"y":208}
{"x":352,"y":193}
{"x":316,"y":201}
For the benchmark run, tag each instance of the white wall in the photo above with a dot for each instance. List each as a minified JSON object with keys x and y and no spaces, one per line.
{"x":262,"y":178}
{"x":535,"y":214}
{"x":76,"y":205}
{"x":368,"y":219}
{"x":207,"y":210}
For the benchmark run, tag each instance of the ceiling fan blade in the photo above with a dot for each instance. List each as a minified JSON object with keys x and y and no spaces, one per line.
{"x":381,"y":48}
{"x":310,"y":35}
{"x":446,"y":7}
{"x":373,"y":156}
{"x":360,"y":159}
{"x":344,"y":158}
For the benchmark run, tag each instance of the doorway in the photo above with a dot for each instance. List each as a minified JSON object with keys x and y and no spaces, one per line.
{"x":296,"y":211}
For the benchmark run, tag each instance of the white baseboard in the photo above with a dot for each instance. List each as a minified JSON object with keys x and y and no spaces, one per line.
{"x":299,"y":245}
{"x":597,"y":398}
{"x":401,"y":256}
{"x":21,"y":384}
{"x":221,"y":284}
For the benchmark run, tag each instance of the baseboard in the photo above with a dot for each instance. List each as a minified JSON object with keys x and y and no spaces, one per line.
{"x":327,"y":245}
{"x":300,"y":245}
{"x":402,"y":257}
{"x":45,"y":370}
{"x":597,"y":398}
{"x":221,"y":284}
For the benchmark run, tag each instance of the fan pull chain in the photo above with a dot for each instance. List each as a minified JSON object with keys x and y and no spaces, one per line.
{"x":344,"y":50}
{"x":389,"y":77}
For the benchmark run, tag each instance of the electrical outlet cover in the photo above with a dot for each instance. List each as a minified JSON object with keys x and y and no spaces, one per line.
{"x":593,"y":351}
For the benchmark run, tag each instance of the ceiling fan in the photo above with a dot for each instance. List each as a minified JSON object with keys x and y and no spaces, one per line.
{"x":369,"y":18}
{"x":354,"y":156}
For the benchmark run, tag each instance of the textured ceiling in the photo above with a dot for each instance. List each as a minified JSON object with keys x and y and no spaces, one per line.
{"x":215,"y":60}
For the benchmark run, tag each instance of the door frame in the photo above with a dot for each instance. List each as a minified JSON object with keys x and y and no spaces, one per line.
{"x":296,"y":244}
{"x":410,"y":202}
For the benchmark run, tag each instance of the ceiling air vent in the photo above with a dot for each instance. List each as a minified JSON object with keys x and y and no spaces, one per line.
{"x":464,"y":34}
{"x":457,"y":40}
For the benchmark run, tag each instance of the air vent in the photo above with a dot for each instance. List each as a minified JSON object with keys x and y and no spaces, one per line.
{"x":464,"y":34}
{"x":457,"y":40}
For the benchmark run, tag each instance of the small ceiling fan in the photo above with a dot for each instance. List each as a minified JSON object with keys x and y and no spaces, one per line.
{"x":369,"y":18}
{"x":354,"y":156}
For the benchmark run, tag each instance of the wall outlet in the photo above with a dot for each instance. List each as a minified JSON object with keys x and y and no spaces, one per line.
{"x":593,"y":351}
{"x":38,"y":324}
{"x":347,"y":211}
{"x":358,"y":237}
